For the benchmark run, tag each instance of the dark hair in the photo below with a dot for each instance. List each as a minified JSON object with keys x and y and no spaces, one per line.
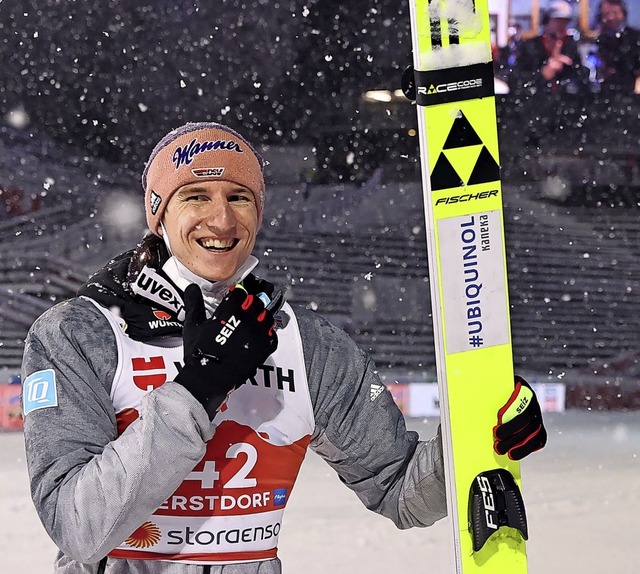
{"x":545,"y":14}
{"x":621,"y":3}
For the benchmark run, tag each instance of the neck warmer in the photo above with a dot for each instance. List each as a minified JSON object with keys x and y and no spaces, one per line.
{"x":144,"y":286}
{"x":212,"y":291}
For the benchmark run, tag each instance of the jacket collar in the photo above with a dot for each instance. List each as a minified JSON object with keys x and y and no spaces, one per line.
{"x":145,"y":285}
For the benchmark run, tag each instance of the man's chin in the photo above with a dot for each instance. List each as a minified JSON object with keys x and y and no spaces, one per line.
{"x":216,"y":275}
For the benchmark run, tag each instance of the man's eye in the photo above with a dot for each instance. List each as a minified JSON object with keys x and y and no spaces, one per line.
{"x":240,"y":197}
{"x":195,"y":197}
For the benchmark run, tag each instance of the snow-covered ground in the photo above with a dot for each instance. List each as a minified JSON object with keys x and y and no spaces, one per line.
{"x":582,"y":495}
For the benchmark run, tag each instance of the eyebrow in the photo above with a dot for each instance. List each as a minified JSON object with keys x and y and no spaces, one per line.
{"x":197,"y":188}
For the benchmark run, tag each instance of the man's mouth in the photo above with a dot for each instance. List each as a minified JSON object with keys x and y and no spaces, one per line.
{"x":219,"y":245}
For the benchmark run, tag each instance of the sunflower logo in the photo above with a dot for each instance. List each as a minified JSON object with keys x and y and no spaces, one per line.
{"x":145,"y":536}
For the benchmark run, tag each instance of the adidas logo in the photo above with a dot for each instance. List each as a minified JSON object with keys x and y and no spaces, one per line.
{"x":375,"y":391}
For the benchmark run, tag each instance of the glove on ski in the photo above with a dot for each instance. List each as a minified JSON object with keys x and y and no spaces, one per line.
{"x":520,"y":430}
{"x":221,"y":353}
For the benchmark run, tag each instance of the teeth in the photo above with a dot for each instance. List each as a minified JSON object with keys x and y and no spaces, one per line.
{"x":217,"y":243}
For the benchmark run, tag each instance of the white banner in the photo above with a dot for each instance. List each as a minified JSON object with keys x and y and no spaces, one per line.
{"x":473,"y":282}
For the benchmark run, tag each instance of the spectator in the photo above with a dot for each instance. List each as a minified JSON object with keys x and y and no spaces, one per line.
{"x":509,"y":51}
{"x":618,"y":49}
{"x":550,"y":62}
{"x":505,"y":59}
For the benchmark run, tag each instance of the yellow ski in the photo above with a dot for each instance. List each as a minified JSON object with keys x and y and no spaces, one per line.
{"x":452,"y":81}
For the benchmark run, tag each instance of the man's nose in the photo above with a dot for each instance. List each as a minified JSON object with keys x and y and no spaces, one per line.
{"x":220,"y":217}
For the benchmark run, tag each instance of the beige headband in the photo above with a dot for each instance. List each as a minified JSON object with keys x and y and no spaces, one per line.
{"x":199,"y":152}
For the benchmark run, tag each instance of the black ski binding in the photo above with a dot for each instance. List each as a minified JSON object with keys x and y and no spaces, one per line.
{"x":408,"y":83}
{"x":494,"y":501}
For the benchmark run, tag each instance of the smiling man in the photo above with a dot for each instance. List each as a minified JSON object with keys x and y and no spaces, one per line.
{"x":618,"y":49}
{"x":169,"y":406}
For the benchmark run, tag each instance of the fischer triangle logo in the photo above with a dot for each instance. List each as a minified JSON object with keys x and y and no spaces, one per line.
{"x":464,"y":159}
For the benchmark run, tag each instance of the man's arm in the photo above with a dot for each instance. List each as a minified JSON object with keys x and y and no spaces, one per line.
{"x":361,"y":432}
{"x":91,"y":487}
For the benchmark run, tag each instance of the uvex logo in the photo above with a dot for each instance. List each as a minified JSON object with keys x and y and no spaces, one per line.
{"x":152,"y":286}
{"x":227,"y":330}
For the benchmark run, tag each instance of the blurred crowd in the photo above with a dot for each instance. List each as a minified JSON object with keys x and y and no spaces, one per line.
{"x":559,"y":60}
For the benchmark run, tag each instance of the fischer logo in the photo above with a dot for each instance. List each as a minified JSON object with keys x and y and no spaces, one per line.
{"x":208,"y":171}
{"x":450,"y":87}
{"x":467,"y":197}
{"x":227,"y":330}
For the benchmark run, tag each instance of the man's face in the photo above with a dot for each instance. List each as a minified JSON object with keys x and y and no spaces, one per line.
{"x":612,"y":16}
{"x":212,"y":227}
{"x":557,"y":27}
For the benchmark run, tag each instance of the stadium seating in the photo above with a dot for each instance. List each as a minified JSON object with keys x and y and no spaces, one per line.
{"x":574,"y":274}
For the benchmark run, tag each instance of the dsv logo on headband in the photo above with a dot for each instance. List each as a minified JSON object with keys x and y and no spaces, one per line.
{"x":184,"y":156}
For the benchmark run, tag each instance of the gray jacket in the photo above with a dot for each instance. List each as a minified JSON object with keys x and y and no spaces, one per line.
{"x":93,"y":488}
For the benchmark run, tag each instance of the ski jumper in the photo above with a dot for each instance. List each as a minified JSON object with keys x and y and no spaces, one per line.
{"x":129,"y":475}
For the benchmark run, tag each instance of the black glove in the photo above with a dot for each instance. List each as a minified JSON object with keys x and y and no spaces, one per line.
{"x":255,"y":285}
{"x":221,"y":353}
{"x":520,"y":430}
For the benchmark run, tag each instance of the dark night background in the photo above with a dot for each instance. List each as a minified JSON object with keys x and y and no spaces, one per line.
{"x":114,"y":76}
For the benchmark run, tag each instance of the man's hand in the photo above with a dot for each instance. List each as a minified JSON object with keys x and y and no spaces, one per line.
{"x":556,"y":62}
{"x":520,"y":430}
{"x":221,"y":353}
